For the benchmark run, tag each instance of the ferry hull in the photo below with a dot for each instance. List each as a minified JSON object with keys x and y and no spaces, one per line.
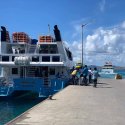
{"x":35,"y":85}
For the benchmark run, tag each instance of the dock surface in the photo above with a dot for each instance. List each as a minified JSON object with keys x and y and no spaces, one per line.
{"x":80,"y":105}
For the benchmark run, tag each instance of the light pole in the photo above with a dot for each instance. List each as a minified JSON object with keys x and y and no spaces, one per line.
{"x":82,"y":37}
{"x":82,"y":41}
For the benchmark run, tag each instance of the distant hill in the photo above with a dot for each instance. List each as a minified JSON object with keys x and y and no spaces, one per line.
{"x":115,"y":67}
{"x":119,"y":68}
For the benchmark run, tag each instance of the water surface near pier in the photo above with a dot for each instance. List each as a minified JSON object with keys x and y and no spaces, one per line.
{"x":12,"y":107}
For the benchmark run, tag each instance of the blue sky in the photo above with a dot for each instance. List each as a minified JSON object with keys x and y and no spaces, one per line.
{"x":103,"y":36}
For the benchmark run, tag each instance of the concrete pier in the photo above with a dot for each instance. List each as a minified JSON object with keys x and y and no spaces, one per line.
{"x":80,"y":105}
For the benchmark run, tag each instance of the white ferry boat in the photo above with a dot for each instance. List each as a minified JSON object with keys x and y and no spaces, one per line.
{"x":30,"y":65}
{"x":107,"y":68}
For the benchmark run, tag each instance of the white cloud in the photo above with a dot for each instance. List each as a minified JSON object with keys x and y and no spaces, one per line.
{"x":123,"y":25}
{"x":101,"y":46}
{"x":111,"y":41}
{"x":102,"y":5}
{"x":77,"y":28}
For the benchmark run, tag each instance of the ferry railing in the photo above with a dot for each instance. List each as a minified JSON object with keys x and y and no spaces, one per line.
{"x":56,"y":84}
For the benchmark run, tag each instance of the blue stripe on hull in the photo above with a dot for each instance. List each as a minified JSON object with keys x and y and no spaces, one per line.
{"x":35,"y":85}
{"x":27,"y":84}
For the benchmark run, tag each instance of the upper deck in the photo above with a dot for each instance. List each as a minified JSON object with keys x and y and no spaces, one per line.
{"x":108,"y":65}
{"x":44,"y":51}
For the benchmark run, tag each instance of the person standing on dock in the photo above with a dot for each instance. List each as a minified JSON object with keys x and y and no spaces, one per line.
{"x":95,"y":76}
{"x":90,"y":75}
{"x":85,"y":74}
{"x":74,"y":77}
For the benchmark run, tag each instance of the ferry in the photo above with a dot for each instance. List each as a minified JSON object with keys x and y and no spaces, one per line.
{"x":29,"y":65}
{"x":107,"y":69}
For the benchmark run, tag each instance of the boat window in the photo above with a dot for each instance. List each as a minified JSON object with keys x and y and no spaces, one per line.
{"x":5,"y":58}
{"x":52,"y":71}
{"x":107,"y":65}
{"x":46,"y":58}
{"x":9,"y":48}
{"x":18,"y":49}
{"x":13,"y":58}
{"x":55,"y":59}
{"x":47,"y":48}
{"x":69,"y":54}
{"x":21,"y":50}
{"x":35,"y":59}
{"x":14,"y":71}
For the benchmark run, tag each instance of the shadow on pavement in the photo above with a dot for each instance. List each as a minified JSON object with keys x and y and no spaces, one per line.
{"x":103,"y":87}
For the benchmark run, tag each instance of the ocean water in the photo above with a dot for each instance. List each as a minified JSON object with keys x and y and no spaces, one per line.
{"x":13,"y":107}
{"x":112,"y":76}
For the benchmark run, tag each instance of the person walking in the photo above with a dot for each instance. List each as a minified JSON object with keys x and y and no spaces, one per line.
{"x":95,"y":76}
{"x":78,"y":77}
{"x":90,"y":75}
{"x":73,"y":75}
{"x":85,"y":74}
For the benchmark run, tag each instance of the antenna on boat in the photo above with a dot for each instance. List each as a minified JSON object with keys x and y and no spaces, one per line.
{"x":49,"y":29}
